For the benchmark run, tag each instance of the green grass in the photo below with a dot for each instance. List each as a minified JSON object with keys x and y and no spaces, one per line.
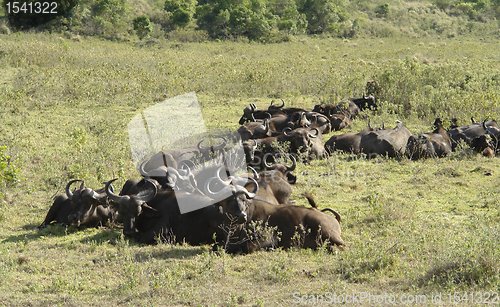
{"x":413,"y":227}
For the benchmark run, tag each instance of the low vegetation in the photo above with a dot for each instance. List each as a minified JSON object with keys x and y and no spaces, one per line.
{"x":413,"y":227}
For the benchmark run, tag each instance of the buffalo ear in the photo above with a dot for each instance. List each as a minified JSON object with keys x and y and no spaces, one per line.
{"x":149,"y":212}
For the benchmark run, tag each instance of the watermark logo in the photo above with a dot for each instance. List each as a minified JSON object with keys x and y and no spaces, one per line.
{"x":173,"y":130}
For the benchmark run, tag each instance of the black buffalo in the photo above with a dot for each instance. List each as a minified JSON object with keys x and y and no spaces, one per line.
{"x":82,"y":207}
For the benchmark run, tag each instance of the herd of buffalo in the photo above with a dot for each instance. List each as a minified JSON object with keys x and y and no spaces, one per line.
{"x":207,"y":199}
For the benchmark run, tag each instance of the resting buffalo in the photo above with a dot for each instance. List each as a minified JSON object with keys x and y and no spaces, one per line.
{"x":319,"y":121}
{"x":390,"y":142}
{"x":161,"y":220}
{"x":173,"y":156}
{"x":469,"y":132}
{"x":255,"y":130}
{"x":251,"y":113}
{"x":82,"y":207}
{"x":291,"y":226}
{"x":429,"y":145}
{"x":348,"y":142}
{"x":483,"y":145}
{"x":277,"y":181}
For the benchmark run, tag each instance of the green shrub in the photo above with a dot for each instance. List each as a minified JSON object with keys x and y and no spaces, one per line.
{"x":9,"y":174}
{"x":142,"y":26}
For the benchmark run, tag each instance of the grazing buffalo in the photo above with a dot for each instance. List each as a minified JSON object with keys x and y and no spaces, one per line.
{"x":82,"y":207}
{"x":389,"y":142}
{"x":436,"y":144}
{"x":290,"y":226}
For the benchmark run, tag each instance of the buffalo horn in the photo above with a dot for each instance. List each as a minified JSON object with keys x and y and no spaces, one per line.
{"x":294,"y":164}
{"x":314,"y":135}
{"x":186,"y":163}
{"x":142,"y":171}
{"x":68,"y":186}
{"x":146,"y":198}
{"x":254,"y":172}
{"x":286,"y":130}
{"x":111,"y":193}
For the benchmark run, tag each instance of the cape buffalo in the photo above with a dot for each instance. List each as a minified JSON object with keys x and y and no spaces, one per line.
{"x":290,"y":226}
{"x":430,"y":145}
{"x":391,"y":142}
{"x":82,"y":207}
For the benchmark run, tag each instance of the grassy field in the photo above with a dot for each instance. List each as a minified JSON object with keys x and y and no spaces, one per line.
{"x":414,"y":228}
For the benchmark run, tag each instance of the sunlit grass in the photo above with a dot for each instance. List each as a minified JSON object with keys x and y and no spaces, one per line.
{"x":412,"y":227}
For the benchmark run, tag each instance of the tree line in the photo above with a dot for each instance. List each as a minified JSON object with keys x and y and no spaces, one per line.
{"x":251,"y":19}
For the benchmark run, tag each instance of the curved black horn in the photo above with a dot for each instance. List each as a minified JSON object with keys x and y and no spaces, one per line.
{"x":294,"y":164}
{"x":221,"y":146}
{"x":369,"y":126}
{"x":110,"y":192}
{"x":68,"y":186}
{"x":314,"y":135}
{"x":150,"y":196}
{"x":282,"y":104}
{"x":286,"y":130}
{"x":141,"y":169}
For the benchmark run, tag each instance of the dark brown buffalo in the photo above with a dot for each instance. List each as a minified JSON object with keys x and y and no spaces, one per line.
{"x":365,"y":102}
{"x":277,"y":181}
{"x":254,"y":130}
{"x":348,"y":142}
{"x":173,"y":156}
{"x":290,"y":226}
{"x":339,"y":121}
{"x":251,"y":113}
{"x":319,"y":121}
{"x":346,"y":107}
{"x":436,"y":144}
{"x":82,"y":207}
{"x":161,"y":219}
{"x":483,"y":145}
{"x":387,"y":142}
{"x":469,"y":132}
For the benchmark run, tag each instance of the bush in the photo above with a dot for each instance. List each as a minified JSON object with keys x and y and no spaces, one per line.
{"x":8,"y":173}
{"x":142,"y":26}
